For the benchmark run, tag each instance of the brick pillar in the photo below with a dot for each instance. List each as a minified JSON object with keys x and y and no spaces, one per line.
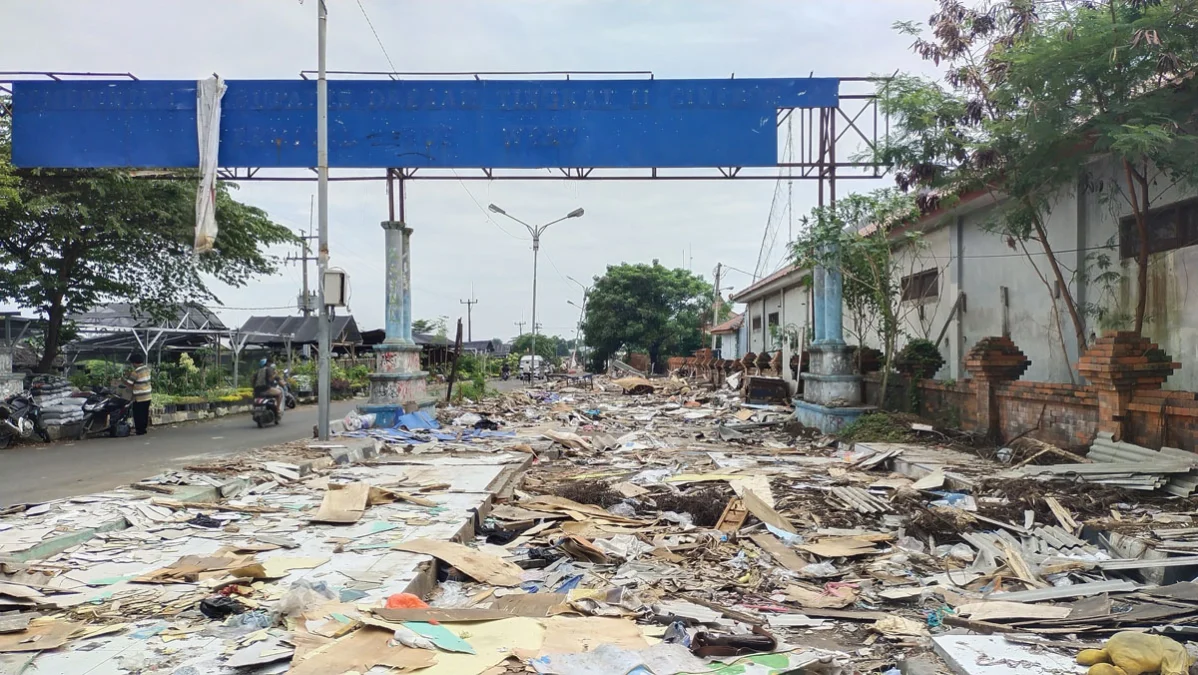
{"x":991,"y":362}
{"x":1118,"y":365}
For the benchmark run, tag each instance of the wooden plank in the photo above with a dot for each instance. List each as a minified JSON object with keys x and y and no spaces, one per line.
{"x":766,"y":513}
{"x":779,"y":551}
{"x":733,"y":517}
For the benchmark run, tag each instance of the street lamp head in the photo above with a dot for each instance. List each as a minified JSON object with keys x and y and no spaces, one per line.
{"x":496,"y":209}
{"x":576,"y":213}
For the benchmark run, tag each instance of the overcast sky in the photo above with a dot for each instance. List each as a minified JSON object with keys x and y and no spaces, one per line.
{"x":455,"y":244}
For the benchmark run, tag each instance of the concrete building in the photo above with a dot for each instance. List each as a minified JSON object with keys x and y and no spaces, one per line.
{"x":777,"y":316}
{"x":962,"y":281}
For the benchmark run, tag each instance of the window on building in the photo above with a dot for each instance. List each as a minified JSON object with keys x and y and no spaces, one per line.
{"x":1172,"y":227}
{"x":756,"y":323}
{"x":772,"y":320}
{"x":923,"y":285}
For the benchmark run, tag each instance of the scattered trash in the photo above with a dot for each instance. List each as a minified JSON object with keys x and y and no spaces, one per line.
{"x":220,"y":606}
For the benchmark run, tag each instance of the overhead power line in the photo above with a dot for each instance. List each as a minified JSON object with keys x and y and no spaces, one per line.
{"x":376,"y":36}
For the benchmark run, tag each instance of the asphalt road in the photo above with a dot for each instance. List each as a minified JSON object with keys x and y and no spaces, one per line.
{"x":33,"y":473}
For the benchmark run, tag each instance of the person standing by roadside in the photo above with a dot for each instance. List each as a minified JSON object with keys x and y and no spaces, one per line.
{"x":138,"y":380}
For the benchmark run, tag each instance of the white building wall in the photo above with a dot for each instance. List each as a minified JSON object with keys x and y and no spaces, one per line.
{"x":1008,"y":290}
{"x":1171,"y":318}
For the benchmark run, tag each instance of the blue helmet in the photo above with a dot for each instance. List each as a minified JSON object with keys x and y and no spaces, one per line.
{"x":262,"y":363}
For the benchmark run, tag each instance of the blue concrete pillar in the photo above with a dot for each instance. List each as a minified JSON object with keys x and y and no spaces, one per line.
{"x":406,"y":263}
{"x":834,"y":303}
{"x":398,"y":313}
{"x":817,"y":287}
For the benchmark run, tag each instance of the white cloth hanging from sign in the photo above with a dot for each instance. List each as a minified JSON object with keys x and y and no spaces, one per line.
{"x":208,"y":95}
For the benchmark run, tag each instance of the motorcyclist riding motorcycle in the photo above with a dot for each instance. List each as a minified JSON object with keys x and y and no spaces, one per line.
{"x":507,"y":371}
{"x":266,"y":383}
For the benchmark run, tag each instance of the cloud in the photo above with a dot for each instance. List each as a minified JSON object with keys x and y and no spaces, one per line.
{"x":456,"y":243}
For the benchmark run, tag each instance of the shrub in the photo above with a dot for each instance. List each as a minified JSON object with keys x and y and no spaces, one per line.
{"x":919,"y":359}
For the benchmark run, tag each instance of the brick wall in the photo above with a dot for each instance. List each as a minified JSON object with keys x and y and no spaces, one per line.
{"x":1164,"y":418}
{"x":1123,"y":396}
{"x":1062,"y":414}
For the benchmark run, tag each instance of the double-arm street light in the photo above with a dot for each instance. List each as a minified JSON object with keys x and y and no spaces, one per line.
{"x":536,"y":232}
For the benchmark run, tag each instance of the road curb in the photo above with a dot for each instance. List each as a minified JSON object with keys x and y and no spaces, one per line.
{"x":55,"y":545}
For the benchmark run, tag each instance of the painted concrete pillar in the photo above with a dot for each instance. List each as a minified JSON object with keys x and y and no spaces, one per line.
{"x":399,"y":281}
{"x":833,"y":305}
{"x":406,"y":263}
{"x":397,"y":383}
{"x":817,"y":285}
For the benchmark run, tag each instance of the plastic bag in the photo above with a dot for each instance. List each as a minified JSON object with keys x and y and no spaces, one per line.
{"x":304,"y":596}
{"x":355,"y":422}
{"x":405,"y":601}
{"x":451,"y":595}
{"x":1138,"y":654}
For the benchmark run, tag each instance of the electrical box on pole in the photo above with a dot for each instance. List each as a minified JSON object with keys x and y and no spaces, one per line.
{"x":336,"y":288}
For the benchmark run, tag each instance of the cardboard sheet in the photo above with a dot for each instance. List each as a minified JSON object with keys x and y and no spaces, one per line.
{"x":481,"y":566}
{"x":41,"y":636}
{"x":571,"y":635}
{"x":343,"y":506}
{"x":998,"y":609}
{"x":362,"y":650}
{"x":463,"y":615}
{"x":493,"y":642}
{"x":840,"y":547}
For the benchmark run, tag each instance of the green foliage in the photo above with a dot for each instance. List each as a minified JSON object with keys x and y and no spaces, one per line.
{"x":438,"y":327}
{"x":858,"y":236}
{"x":358,"y":376}
{"x":648,"y":308}
{"x":879,"y":427}
{"x":71,"y":239}
{"x":97,"y":373}
{"x":550,"y":347}
{"x":1034,"y":91}
{"x":919,"y":358}
{"x":474,"y":389}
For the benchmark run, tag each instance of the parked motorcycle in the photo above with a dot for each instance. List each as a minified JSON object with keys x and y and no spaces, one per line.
{"x":289,"y":398}
{"x":20,"y":418}
{"x":265,"y":411}
{"x":106,"y":412}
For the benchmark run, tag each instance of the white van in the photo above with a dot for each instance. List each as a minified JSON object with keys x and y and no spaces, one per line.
{"x":527,"y":366}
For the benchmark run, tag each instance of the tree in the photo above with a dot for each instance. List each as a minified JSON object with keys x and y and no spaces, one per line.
{"x":1034,"y":90}
{"x":646,"y":307}
{"x":438,"y":327}
{"x":549,"y":347}
{"x":858,"y":236}
{"x":71,"y":239}
{"x":1113,"y":77}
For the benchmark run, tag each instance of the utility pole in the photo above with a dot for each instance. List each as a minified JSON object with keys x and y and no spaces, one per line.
{"x":322,"y":197}
{"x":715,"y":303}
{"x":519,"y":327}
{"x":469,"y":310}
{"x":305,"y":303}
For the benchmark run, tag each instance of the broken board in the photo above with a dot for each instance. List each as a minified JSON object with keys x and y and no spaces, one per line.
{"x":481,"y":566}
{"x":343,"y":506}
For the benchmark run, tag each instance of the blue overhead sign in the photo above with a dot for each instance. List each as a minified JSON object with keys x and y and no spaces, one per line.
{"x":440,"y":124}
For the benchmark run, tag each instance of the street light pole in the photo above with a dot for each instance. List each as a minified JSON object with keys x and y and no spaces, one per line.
{"x":322,"y":192}
{"x":582,"y":310}
{"x":536,"y":232}
{"x":536,"y":247}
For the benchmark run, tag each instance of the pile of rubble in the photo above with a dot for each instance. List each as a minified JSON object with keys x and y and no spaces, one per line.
{"x":648,"y":526}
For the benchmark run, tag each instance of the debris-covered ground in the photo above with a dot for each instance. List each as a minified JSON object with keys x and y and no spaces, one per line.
{"x":641,"y":526}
